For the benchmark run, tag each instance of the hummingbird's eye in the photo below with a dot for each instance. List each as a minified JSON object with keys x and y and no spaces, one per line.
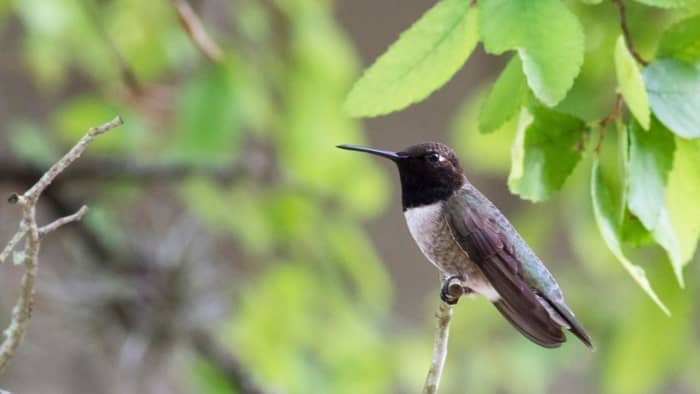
{"x":433,"y":157}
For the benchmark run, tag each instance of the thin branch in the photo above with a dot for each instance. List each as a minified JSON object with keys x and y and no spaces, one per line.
{"x":231,"y":367}
{"x":603,"y":123}
{"x":63,"y":221}
{"x":72,"y":155}
{"x":195,"y":30}
{"x":22,"y":311}
{"x":442,"y":332}
{"x":626,"y":32}
{"x":127,"y":73}
{"x":455,"y":289}
{"x":12,"y":244}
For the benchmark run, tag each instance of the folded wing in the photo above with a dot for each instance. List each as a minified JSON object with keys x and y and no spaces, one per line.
{"x":525,"y":307}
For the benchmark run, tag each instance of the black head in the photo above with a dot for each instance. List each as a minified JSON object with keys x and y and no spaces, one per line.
{"x":429,"y":172}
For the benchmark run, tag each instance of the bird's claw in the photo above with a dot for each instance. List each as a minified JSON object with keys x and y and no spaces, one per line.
{"x":452,"y":289}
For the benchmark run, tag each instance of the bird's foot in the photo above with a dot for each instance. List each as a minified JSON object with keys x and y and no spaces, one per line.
{"x":452,"y":289}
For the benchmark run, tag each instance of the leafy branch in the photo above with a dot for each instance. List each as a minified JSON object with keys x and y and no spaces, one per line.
{"x":29,"y":256}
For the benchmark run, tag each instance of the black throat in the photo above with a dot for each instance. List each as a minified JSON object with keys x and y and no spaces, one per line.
{"x":418,"y":191}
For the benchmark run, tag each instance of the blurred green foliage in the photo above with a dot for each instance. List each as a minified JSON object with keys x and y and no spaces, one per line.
{"x":315,"y":314}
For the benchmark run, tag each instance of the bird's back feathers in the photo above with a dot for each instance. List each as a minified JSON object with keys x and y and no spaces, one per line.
{"x":530,"y":297}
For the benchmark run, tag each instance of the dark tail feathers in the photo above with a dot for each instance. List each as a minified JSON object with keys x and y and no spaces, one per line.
{"x":542,"y":331}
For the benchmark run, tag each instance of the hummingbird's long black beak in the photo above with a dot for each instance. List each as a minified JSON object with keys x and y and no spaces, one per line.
{"x":394,"y":156}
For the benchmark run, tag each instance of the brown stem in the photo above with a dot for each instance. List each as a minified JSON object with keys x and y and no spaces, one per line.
{"x":626,"y":32}
{"x":603,"y":124}
{"x":195,"y":30}
{"x":127,"y":74}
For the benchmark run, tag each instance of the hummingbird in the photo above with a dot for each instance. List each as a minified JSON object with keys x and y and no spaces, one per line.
{"x":469,"y":240}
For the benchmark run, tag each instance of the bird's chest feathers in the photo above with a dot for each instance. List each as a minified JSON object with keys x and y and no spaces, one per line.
{"x":425,"y":223}
{"x":429,"y":228}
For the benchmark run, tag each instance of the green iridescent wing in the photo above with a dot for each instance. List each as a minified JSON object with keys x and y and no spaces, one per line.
{"x":483,"y":232}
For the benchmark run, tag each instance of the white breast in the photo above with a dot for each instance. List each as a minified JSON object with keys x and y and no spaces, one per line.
{"x":423,"y":223}
{"x":431,"y":232}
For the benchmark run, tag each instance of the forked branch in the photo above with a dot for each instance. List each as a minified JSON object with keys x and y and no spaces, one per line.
{"x":28,"y":257}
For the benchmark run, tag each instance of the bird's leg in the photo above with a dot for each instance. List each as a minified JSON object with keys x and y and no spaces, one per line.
{"x":452,"y":289}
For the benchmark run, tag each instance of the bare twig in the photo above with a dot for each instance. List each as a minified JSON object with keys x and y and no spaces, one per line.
{"x":231,"y":367}
{"x":455,"y":290}
{"x":12,"y":244}
{"x":22,"y":311}
{"x":194,"y":28}
{"x":64,"y":220}
{"x":626,"y":32}
{"x":444,"y":316}
{"x":33,"y":193}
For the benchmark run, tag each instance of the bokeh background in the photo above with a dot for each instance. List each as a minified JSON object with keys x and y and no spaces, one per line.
{"x":229,"y":246}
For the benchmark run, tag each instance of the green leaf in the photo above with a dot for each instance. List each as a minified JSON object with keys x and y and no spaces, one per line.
{"x":631,"y":83}
{"x":208,"y":122}
{"x":312,"y":121}
{"x":633,"y":231}
{"x":544,"y":152}
{"x":352,"y":251}
{"x":31,"y":143}
{"x":623,"y":154}
{"x":645,"y":353}
{"x":681,"y":41}
{"x":547,"y":36}
{"x":651,"y":157}
{"x":77,"y":115}
{"x":423,"y":59}
{"x":604,"y":212}
{"x":667,"y":3}
{"x":665,"y":235}
{"x":505,"y":98}
{"x":206,"y":378}
{"x":493,"y":148}
{"x":683,"y":194}
{"x":674,"y":95}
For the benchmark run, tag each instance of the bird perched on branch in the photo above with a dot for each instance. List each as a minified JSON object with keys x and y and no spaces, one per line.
{"x":470,"y":241}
